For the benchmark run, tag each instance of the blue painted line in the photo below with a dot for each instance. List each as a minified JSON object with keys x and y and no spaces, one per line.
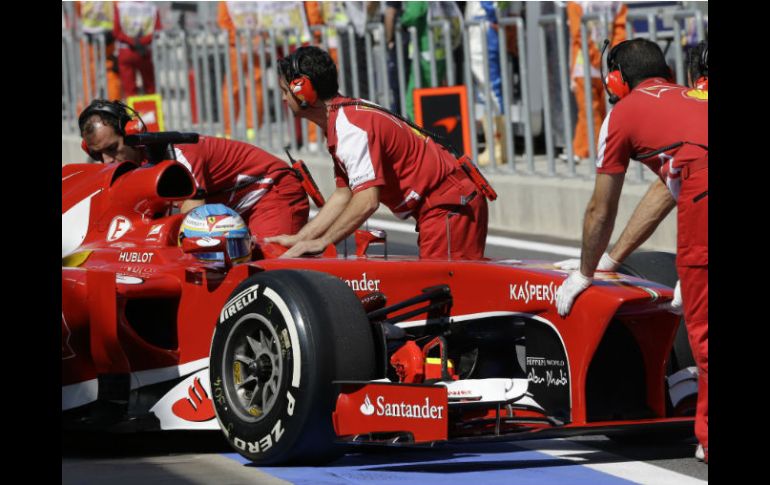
{"x":490,"y":464}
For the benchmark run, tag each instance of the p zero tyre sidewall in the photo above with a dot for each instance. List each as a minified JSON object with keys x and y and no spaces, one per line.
{"x":303,"y":309}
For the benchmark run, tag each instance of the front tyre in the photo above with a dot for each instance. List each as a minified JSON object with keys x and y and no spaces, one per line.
{"x":282,"y":338}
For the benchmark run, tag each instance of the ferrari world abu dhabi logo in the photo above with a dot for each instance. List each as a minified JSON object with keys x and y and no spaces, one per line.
{"x":118,"y":228}
{"x":367,"y":409}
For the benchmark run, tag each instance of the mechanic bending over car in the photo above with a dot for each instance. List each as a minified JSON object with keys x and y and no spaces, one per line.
{"x":665,"y":126}
{"x":658,"y":201}
{"x":259,"y":186}
{"x":379,"y":157}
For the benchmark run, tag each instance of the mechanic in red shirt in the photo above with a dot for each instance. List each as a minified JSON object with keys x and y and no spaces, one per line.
{"x":379,"y":158}
{"x":259,"y":186}
{"x":665,"y":126}
{"x":657,"y":201}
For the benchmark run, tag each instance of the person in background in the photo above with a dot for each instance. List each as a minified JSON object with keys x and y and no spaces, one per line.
{"x":392,"y":14}
{"x":476,"y":11}
{"x":97,"y":18}
{"x":293,"y":19}
{"x":415,"y":14}
{"x":135,"y":23}
{"x":616,"y":12}
{"x":233,"y":16}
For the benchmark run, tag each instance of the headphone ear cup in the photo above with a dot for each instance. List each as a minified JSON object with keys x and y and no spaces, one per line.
{"x":302,"y":89}
{"x":617,"y":85}
{"x":134,"y":127}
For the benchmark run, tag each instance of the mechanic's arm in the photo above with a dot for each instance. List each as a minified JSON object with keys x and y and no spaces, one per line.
{"x":320,"y":223}
{"x":597,"y":229}
{"x":652,"y":209}
{"x":600,"y":220}
{"x":361,"y":206}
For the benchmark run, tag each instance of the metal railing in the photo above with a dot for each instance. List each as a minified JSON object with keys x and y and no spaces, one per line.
{"x":700,"y":29}
{"x":195,"y":76}
{"x":526,"y":118}
{"x":558,"y":22}
{"x":588,"y":83}
{"x":83,"y":74}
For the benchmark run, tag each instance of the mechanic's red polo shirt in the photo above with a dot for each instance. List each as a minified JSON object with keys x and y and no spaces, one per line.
{"x":232,"y":173}
{"x":656,"y":114}
{"x":373,"y":148}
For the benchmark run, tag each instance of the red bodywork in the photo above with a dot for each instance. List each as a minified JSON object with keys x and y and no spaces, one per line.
{"x":134,"y":303}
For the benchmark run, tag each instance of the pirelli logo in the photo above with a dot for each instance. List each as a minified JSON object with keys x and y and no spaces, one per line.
{"x":238,"y":302}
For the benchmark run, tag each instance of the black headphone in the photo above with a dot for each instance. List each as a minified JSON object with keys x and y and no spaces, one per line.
{"x":116,"y":110}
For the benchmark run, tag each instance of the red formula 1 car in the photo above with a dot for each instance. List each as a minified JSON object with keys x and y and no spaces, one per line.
{"x":290,"y":356}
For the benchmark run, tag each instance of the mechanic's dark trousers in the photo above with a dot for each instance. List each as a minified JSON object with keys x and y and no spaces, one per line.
{"x":692,"y":266}
{"x":467,"y":224}
{"x":284,"y":209}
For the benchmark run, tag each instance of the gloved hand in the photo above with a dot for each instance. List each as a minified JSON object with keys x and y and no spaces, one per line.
{"x":569,"y":290}
{"x":606,"y":263}
{"x":676,"y":303}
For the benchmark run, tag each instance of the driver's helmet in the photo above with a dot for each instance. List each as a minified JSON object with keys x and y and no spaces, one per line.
{"x":217,"y":220}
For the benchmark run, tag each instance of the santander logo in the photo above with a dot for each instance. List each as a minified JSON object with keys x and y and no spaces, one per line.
{"x":197,"y":407}
{"x":401,"y":409}
{"x":366,"y":408}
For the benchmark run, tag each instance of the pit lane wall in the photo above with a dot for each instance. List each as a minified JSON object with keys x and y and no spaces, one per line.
{"x":526,"y":204}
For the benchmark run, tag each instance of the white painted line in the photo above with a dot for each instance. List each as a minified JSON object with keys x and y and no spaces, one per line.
{"x":506,"y":242}
{"x":510,"y":242}
{"x":635,"y":471}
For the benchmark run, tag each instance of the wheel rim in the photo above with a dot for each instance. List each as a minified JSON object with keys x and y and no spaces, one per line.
{"x":253,"y":367}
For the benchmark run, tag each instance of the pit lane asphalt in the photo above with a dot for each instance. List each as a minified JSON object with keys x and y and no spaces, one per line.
{"x":205,"y":457}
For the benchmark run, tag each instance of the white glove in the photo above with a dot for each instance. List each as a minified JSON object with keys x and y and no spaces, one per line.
{"x":569,"y":290}
{"x":676,"y":303}
{"x":606,"y":263}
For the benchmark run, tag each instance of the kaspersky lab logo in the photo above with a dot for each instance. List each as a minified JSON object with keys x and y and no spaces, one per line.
{"x":366,"y":408}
